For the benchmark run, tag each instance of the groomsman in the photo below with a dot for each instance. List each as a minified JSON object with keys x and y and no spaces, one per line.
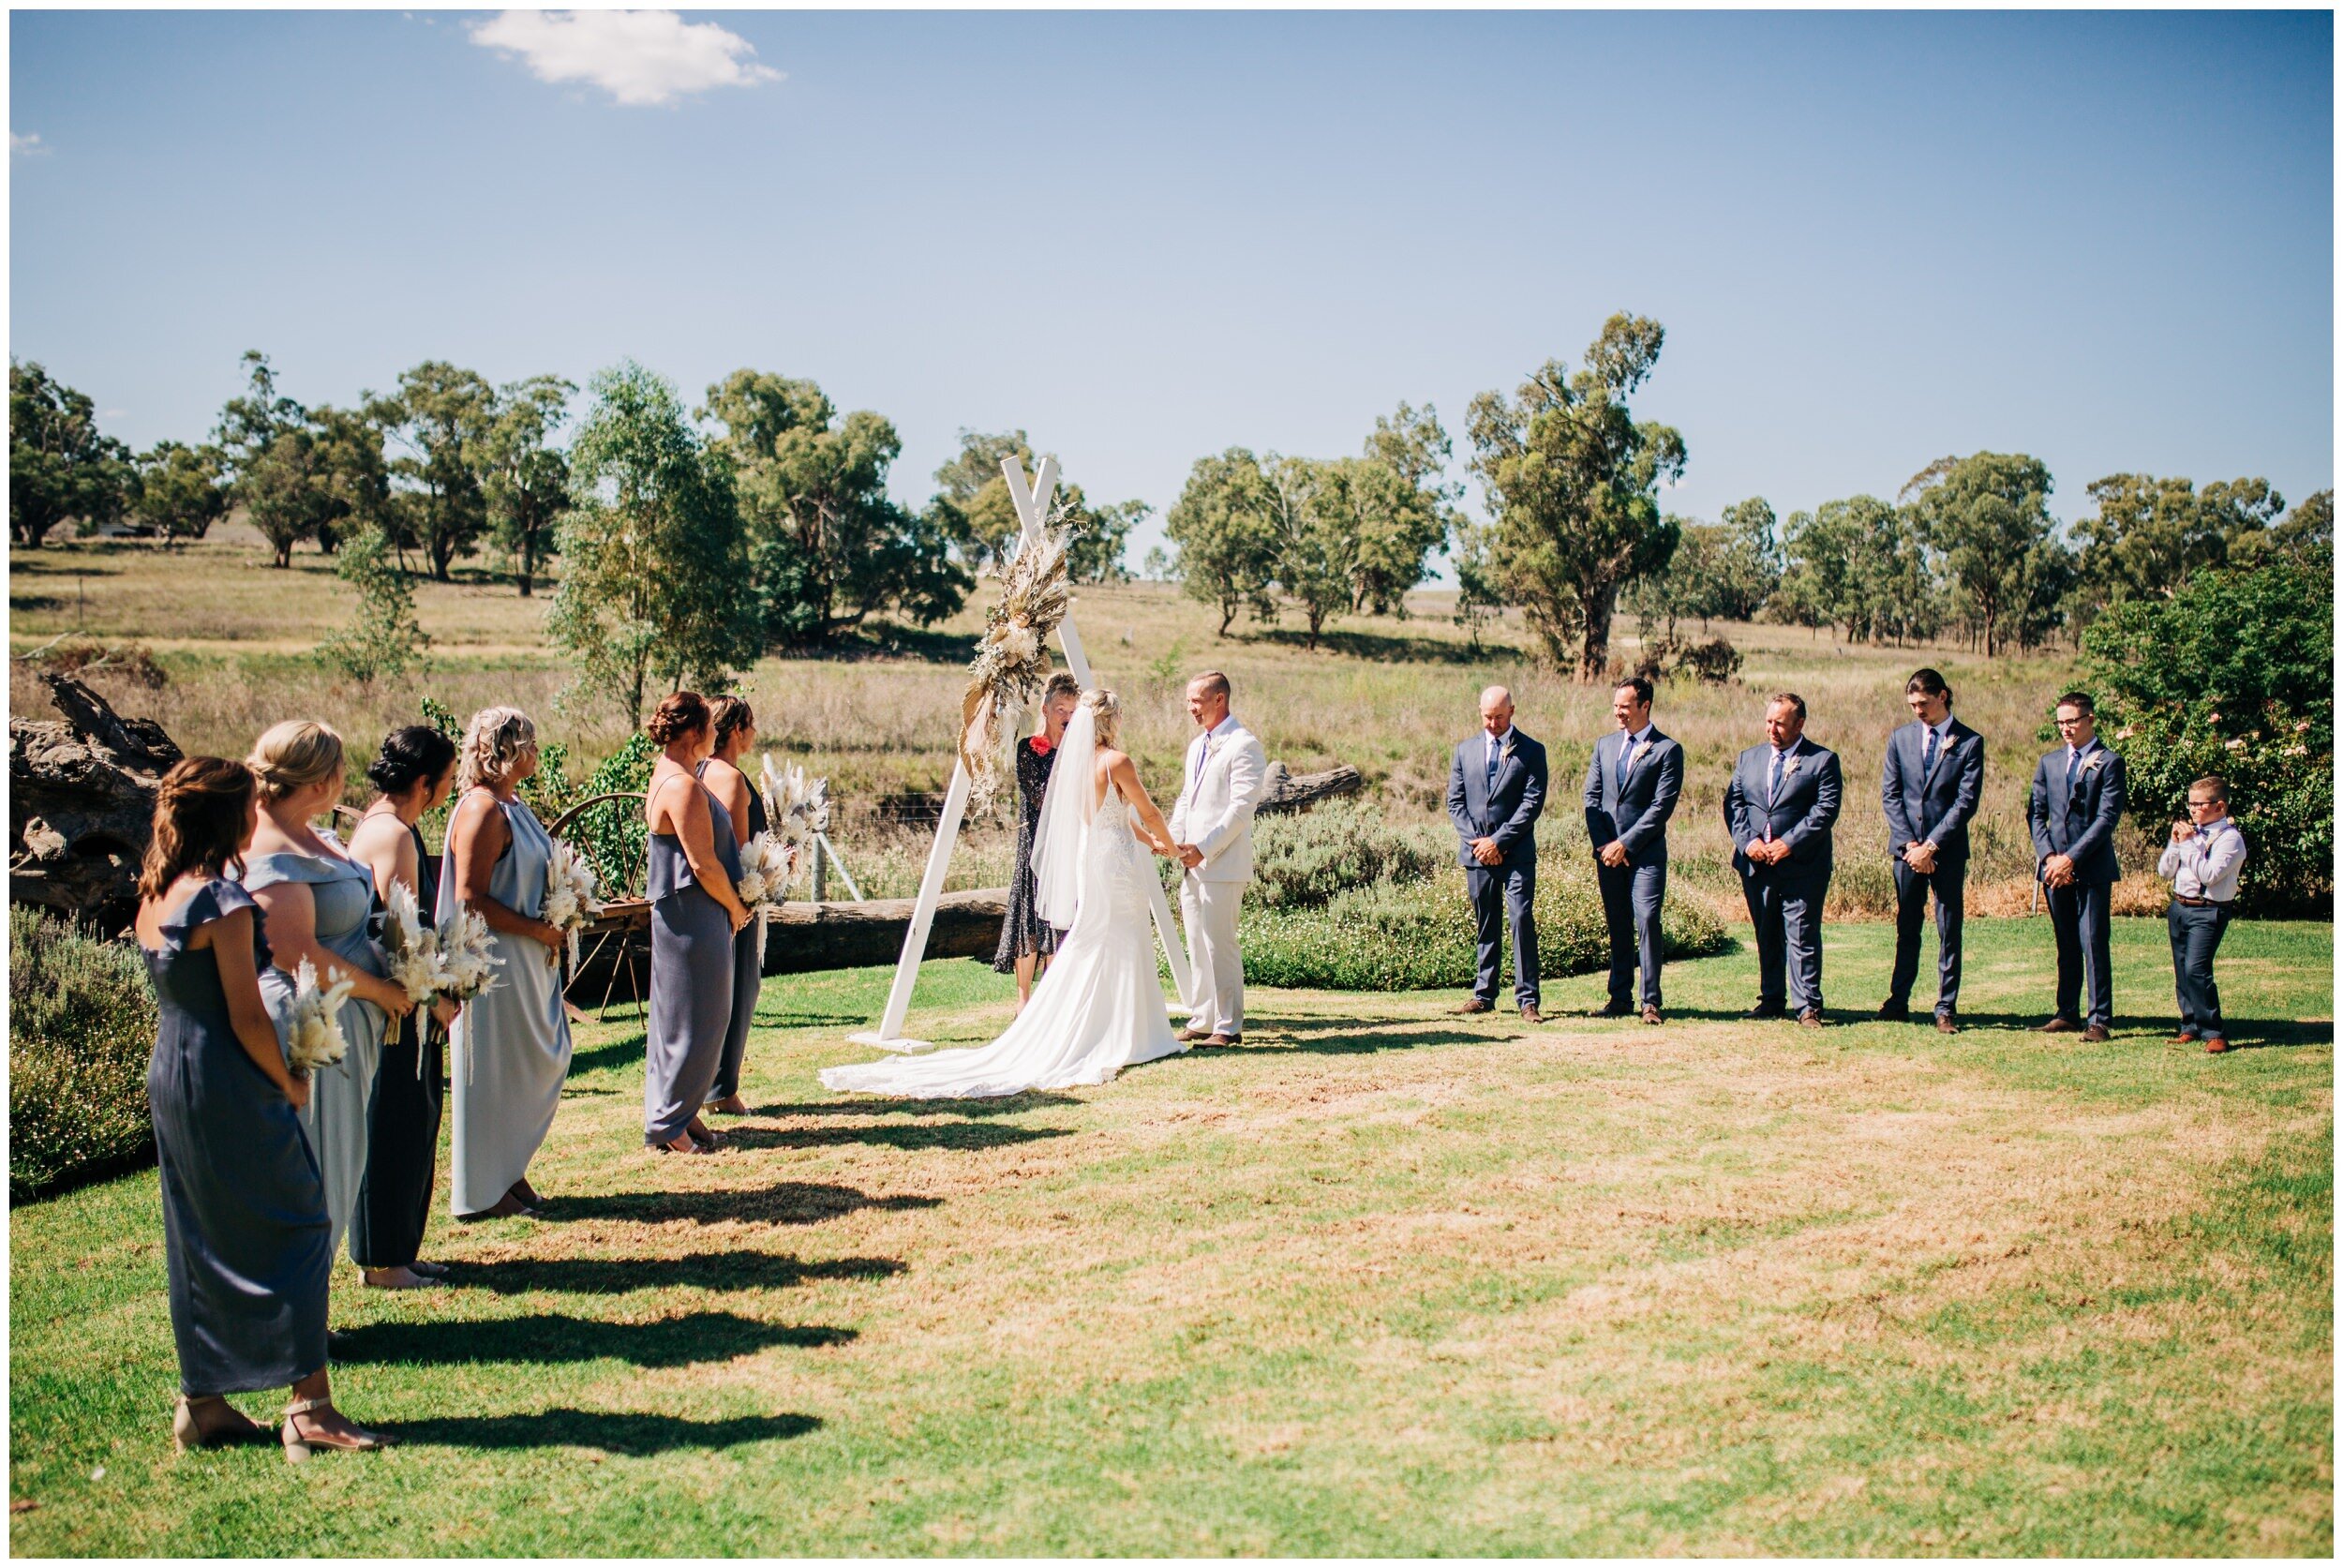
{"x":1930,"y":782}
{"x":2203,"y":859}
{"x":1779,"y":807}
{"x":2077,"y":795}
{"x":1632,"y":782}
{"x":1495,"y":788}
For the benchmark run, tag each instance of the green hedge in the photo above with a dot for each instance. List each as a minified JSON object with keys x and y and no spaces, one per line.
{"x":1418,"y":936}
{"x":80,"y":1028}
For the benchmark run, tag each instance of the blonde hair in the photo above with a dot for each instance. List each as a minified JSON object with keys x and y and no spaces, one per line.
{"x":492,"y":744}
{"x":292,"y":756}
{"x":1105,"y":712}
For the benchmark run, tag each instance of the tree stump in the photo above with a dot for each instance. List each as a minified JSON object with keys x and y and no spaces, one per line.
{"x":81,"y":805}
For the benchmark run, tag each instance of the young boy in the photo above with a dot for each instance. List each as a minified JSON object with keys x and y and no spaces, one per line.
{"x":2203,"y":860}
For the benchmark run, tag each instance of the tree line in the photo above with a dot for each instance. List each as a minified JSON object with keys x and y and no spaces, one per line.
{"x":688,"y":542}
{"x":1573,"y":481}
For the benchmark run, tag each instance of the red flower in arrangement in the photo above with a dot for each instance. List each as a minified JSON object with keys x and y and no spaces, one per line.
{"x":1040,"y":744}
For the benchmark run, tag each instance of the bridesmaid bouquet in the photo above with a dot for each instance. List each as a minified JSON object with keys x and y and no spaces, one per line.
{"x":314,"y":1039}
{"x":416,"y":965}
{"x":570,"y":901}
{"x":766,"y":872}
{"x":467,"y":950}
{"x":798,"y":808}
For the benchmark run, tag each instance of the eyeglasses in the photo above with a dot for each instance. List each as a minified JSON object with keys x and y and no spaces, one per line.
{"x":2206,"y":805}
{"x":2073,"y":723}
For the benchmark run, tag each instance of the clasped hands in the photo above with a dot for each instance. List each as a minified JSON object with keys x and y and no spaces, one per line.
{"x":1187,"y":854}
{"x":1920,"y":856}
{"x":1766,"y":852}
{"x":2058,"y":871}
{"x":1486,"y":850}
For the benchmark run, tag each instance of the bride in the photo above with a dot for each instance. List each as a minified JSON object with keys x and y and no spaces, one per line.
{"x":1098,"y":1007}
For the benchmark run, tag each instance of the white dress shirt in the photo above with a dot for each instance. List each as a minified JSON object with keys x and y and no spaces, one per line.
{"x":2207,"y":865}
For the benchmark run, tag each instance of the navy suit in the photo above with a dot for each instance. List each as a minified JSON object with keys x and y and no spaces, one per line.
{"x":1502,"y":805}
{"x":2080,"y":823}
{"x":1786,"y":901}
{"x":1633,"y":813}
{"x":1929,"y":800}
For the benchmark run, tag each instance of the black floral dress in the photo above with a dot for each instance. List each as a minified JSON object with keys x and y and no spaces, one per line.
{"x":1024,"y":931}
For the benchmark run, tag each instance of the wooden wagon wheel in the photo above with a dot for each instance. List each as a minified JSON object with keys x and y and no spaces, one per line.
{"x":626,"y":956}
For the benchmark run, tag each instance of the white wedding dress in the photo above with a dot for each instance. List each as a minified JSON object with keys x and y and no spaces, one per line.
{"x":1098,"y":1007}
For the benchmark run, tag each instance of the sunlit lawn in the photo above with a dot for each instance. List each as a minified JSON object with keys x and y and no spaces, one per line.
{"x":1382,"y":1281}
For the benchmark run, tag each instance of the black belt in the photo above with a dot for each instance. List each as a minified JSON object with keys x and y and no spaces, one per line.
{"x":2202,"y":903}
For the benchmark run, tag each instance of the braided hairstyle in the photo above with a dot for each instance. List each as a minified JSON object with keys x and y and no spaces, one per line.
{"x":1105,"y":712}
{"x":201,"y":811}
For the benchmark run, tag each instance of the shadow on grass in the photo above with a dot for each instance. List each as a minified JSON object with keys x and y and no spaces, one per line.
{"x":782,"y":1204}
{"x":1353,"y":1040}
{"x":1382,"y":645}
{"x":550,"y":1337}
{"x":612,"y":1431}
{"x":1007,"y":1105}
{"x":626,"y":1051}
{"x":778,"y":1019}
{"x":714,"y":1271}
{"x":907,"y":1136}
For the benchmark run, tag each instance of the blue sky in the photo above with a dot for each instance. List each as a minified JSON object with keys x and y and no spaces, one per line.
{"x":2106,"y":239}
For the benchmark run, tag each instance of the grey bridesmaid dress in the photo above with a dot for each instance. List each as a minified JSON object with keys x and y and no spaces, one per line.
{"x":748,"y":979}
{"x":245,"y":1237}
{"x":692,"y":951}
{"x":509,"y":1048}
{"x":341,"y":1096}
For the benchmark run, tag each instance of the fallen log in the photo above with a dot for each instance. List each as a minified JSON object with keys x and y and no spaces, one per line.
{"x":1299,"y":792}
{"x":81,"y":805}
{"x":615,"y":955}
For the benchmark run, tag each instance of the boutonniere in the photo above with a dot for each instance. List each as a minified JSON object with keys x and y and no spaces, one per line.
{"x":1636,"y":755}
{"x":2097,"y":761}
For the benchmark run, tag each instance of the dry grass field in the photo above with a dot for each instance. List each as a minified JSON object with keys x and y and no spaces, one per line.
{"x":1390,"y":696}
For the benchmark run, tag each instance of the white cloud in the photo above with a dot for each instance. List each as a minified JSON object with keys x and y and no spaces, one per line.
{"x":637,"y":57}
{"x":26,"y":146}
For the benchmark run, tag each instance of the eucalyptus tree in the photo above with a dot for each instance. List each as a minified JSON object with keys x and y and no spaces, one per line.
{"x":440,"y":420}
{"x":177,"y":491}
{"x":828,"y":546}
{"x":276,"y":470}
{"x":1574,"y":480}
{"x":1401,"y":520}
{"x":1987,"y":517}
{"x":655,"y":578}
{"x":61,"y":467}
{"x":1223,"y":526}
{"x":2149,"y":536}
{"x":526,"y":476}
{"x":974,"y":505}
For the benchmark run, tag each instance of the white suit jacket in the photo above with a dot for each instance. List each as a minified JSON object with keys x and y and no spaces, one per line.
{"x":1214,"y":811}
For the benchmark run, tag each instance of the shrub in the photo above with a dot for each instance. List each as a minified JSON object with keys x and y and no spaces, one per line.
{"x":2231,"y":676}
{"x":1418,"y":936}
{"x":1302,"y":861}
{"x":82,"y":1026}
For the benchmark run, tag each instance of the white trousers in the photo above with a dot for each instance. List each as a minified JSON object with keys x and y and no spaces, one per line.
{"x":1208,"y":909}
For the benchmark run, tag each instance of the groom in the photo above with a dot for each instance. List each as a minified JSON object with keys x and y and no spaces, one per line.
{"x":1212,"y":823}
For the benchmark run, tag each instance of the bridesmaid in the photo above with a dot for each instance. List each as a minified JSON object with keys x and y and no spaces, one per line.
{"x":246,"y":1238}
{"x":736,"y":733}
{"x":317,"y":901}
{"x":695,"y":916}
{"x":414,"y":774}
{"x":1026,"y":939}
{"x":511,"y":1042}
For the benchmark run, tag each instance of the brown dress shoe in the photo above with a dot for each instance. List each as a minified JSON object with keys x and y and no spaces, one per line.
{"x":1221,"y":1040}
{"x":2096,"y":1031}
{"x":1947,"y":1023}
{"x":1651,"y":1015}
{"x":2187,"y":1037}
{"x":1811,"y":1017}
{"x":1474,"y":1005}
{"x":1191,"y":1035}
{"x":2062,"y":1025}
{"x":2214,"y":1045}
{"x":1531,"y":1015}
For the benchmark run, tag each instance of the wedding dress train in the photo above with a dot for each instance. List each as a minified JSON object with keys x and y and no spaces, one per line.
{"x":1098,"y":1007}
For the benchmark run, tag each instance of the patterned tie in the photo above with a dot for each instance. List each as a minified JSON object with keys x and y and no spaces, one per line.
{"x":1927,"y":753}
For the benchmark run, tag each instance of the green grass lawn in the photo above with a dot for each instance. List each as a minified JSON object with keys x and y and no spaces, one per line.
{"x":1382,"y":1281}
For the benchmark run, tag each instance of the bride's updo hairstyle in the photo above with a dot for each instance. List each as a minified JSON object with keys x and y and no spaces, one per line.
{"x":1105,"y":712}
{"x":679,"y":714}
